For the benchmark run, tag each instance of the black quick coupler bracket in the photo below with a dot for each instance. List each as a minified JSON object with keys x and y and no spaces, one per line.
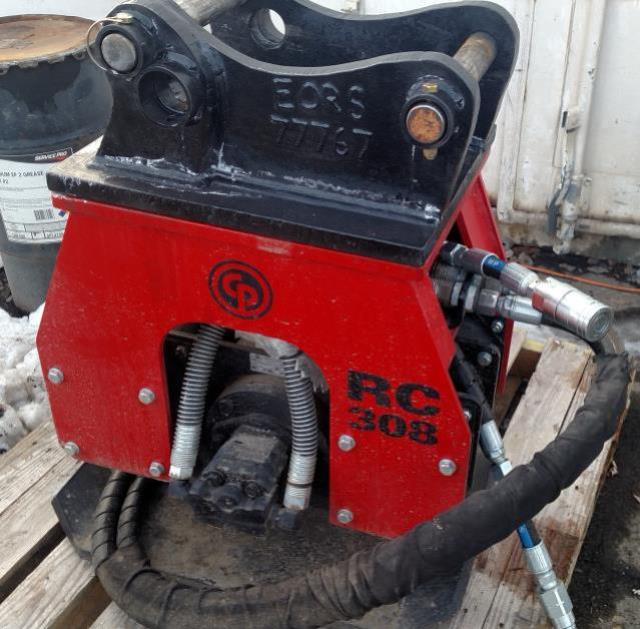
{"x":354,"y":133}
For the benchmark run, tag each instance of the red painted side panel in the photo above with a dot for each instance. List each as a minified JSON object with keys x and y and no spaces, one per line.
{"x":124,"y":279}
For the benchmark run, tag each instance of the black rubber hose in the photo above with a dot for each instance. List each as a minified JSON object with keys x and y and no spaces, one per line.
{"x":368,"y":579}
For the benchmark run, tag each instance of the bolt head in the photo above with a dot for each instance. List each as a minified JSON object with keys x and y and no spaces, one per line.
{"x":216,"y":478}
{"x":484,"y":359}
{"x":119,"y":53}
{"x":253,"y":490}
{"x":226,"y":407}
{"x":156,"y":469}
{"x":71,"y":448}
{"x":346,"y":443}
{"x":497,"y":327}
{"x":447,"y":467}
{"x":146,"y":396}
{"x":344,"y":516}
{"x":55,"y":375}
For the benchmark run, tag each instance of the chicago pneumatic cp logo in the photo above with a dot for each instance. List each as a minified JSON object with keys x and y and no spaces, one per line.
{"x":240,"y":289}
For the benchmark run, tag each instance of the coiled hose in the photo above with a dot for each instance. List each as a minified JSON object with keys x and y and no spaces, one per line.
{"x":304,"y":434}
{"x":367,"y":579}
{"x":193,"y":396}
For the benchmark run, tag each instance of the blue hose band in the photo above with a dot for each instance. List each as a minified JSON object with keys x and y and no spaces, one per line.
{"x":525,"y":537}
{"x":493,"y":266}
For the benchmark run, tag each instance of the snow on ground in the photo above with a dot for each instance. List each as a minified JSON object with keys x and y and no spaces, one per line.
{"x":23,"y":399}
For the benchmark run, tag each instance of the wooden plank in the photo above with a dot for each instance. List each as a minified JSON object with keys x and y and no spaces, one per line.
{"x":563,"y":525}
{"x":515,"y":603}
{"x":518,"y":339}
{"x":61,"y":593}
{"x":30,"y":527}
{"x":28,"y":461}
{"x":549,"y":395}
{"x":114,"y":618}
{"x":537,"y":420}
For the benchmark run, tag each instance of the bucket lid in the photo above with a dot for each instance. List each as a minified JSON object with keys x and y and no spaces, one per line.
{"x":27,"y":40}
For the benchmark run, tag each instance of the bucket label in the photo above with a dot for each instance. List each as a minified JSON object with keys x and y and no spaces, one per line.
{"x":25,"y":201}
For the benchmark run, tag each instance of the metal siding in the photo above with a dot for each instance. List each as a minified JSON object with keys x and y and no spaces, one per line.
{"x":541,"y":116}
{"x":613,"y":151}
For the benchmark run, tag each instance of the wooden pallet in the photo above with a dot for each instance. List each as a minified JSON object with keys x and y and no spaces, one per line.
{"x":44,"y":584}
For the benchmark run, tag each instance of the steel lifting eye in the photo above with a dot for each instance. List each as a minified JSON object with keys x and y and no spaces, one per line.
{"x":268,"y":28}
{"x":166,"y":97}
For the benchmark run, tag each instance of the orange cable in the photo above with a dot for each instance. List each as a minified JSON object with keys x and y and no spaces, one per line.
{"x":584,"y":280}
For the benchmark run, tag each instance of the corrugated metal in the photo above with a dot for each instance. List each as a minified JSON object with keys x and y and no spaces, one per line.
{"x":613,"y":149}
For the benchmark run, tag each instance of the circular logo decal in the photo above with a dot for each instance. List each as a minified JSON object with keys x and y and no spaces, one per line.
{"x":240,"y":289}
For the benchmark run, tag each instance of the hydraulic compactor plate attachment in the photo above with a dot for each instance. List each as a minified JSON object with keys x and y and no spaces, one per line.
{"x":281,"y":312}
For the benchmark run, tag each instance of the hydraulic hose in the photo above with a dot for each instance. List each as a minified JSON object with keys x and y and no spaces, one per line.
{"x":193,"y":396}
{"x":304,"y":434}
{"x":566,"y":305}
{"x":367,"y":579}
{"x":551,"y":590}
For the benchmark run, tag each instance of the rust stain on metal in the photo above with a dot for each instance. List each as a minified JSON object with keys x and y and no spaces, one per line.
{"x":426,"y":124}
{"x":25,"y":38}
{"x":477,"y":54}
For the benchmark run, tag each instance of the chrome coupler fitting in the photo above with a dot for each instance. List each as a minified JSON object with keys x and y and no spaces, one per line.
{"x":553,"y":592}
{"x":578,"y":312}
